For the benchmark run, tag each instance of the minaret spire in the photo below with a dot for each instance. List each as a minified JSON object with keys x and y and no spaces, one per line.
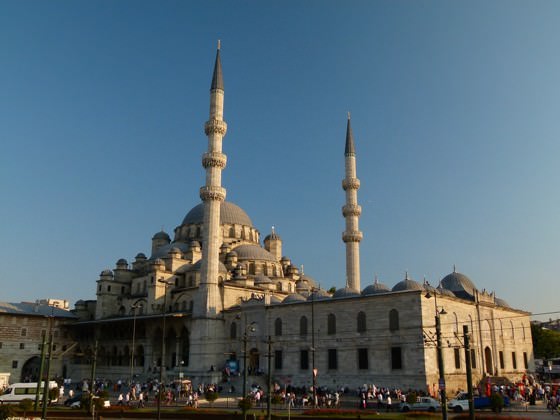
{"x":208,"y":303}
{"x":351,"y":212}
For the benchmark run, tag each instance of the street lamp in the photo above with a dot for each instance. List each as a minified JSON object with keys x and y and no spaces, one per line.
{"x":313,"y":369}
{"x":133,"y":307}
{"x":160,"y":388}
{"x":248,"y":328}
{"x":440,"y":355}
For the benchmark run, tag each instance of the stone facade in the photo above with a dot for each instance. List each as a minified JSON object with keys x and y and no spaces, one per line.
{"x":203,"y":296}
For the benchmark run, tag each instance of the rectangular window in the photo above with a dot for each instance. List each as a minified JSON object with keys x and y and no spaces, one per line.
{"x":363,"y":359}
{"x":501,"y":356}
{"x":333,"y":359}
{"x":525,"y":361}
{"x":0,"y":344}
{"x":457,"y":359}
{"x":278,"y":359}
{"x":21,"y":346}
{"x":514,"y":360}
{"x":23,"y":332}
{"x":39,"y":347}
{"x":396,"y":358}
{"x":473,"y":359}
{"x":304,"y":359}
{"x":14,"y":364}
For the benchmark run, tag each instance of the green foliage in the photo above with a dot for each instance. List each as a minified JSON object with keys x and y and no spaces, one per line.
{"x":26,"y":405}
{"x":276,"y":399}
{"x":245,"y":404}
{"x":546,"y":343}
{"x":411,"y":397}
{"x":7,"y":411}
{"x":211,"y":396}
{"x":496,"y":402}
{"x":332,"y":290}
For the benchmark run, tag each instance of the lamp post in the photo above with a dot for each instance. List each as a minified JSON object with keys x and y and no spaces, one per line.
{"x":133,"y":307}
{"x":440,"y":355}
{"x":313,"y":370}
{"x":161,"y":367}
{"x":248,"y":328}
{"x":46,"y":384}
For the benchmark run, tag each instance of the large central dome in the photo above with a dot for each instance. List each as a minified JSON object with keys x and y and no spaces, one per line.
{"x":229,"y":214}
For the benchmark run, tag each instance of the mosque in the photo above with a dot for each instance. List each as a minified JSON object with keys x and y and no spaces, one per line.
{"x":215,"y":295}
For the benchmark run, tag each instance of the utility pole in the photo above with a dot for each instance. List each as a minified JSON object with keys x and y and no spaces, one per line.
{"x":441,"y":367}
{"x":93,"y":366}
{"x":43,"y":346}
{"x":46,"y":387}
{"x":469,"y":370}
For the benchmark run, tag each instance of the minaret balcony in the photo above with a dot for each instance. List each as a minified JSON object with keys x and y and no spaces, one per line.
{"x":212,"y":193}
{"x":214,"y":160}
{"x":352,"y":236}
{"x":351,"y":210}
{"x":350,"y":183}
{"x":215,"y":126}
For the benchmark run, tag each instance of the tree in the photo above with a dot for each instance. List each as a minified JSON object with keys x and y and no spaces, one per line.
{"x":332,"y":290}
{"x":211,"y":396}
{"x":25,"y":405}
{"x":546,"y":343}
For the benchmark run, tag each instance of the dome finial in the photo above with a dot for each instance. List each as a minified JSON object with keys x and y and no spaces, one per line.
{"x":454,"y":268}
{"x":219,"y":44}
{"x":348,"y":114}
{"x":406,"y":275}
{"x":375,"y":280}
{"x":302,"y":269}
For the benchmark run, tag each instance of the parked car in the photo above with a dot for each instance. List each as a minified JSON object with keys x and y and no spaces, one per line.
{"x":422,"y":404}
{"x":461,"y":402}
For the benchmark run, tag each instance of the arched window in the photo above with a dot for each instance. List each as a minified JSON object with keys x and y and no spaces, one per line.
{"x":303,"y":326}
{"x":278,"y":327}
{"x":331,"y":324}
{"x":361,"y":327}
{"x":233,"y":331}
{"x":393,"y":320}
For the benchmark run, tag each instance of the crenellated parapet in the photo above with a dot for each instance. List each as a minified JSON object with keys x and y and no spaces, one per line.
{"x":214,"y":160}
{"x":352,"y":236}
{"x":212,"y":193}
{"x":214,"y":125}
{"x":350,"y":184}
{"x":351,"y":210}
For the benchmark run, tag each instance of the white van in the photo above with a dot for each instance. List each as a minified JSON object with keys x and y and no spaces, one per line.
{"x":20,"y":391}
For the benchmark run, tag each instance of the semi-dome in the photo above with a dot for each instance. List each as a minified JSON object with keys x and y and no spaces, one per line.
{"x":229,"y":213}
{"x":444,"y":291}
{"x":164,"y":250}
{"x":346,"y":292}
{"x":459,"y":284}
{"x":253,"y":252}
{"x":196,"y":267}
{"x":308,"y":279}
{"x":407,"y":284}
{"x":107,"y":272}
{"x":294,"y":298}
{"x":275,"y":300}
{"x":375,"y":289}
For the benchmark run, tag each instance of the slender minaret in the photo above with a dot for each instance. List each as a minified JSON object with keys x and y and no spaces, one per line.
{"x":351,"y":212}
{"x":208,"y":302}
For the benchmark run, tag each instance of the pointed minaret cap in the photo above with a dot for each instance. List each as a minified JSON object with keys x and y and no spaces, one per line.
{"x":217,"y":79}
{"x":349,"y":150}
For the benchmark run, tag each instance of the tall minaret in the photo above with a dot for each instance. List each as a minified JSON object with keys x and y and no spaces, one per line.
{"x":351,"y":212}
{"x":208,"y":302}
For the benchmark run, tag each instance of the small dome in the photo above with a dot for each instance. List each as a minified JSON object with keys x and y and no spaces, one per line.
{"x":253,"y":252}
{"x":175,"y":250}
{"x":162,"y":235}
{"x":318,"y":294}
{"x":194,"y":244}
{"x":501,"y":302}
{"x":274,"y":300}
{"x":375,"y":289}
{"x":294,"y":298}
{"x":164,"y":250}
{"x":406,"y":284}
{"x":158,"y":261}
{"x":272,"y":235}
{"x":140,"y":256}
{"x":231,"y":254}
{"x":346,"y":292}
{"x":262,"y":279}
{"x":459,"y":284}
{"x":309,"y":280}
{"x":443,"y":291}
{"x":107,"y":272}
{"x":122,"y":261}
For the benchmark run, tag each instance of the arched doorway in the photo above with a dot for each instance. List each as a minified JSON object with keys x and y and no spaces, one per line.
{"x":488,"y":360}
{"x":253,"y":361}
{"x":30,"y":369}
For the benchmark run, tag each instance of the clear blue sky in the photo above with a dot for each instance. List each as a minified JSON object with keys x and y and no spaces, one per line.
{"x":455,"y":111}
